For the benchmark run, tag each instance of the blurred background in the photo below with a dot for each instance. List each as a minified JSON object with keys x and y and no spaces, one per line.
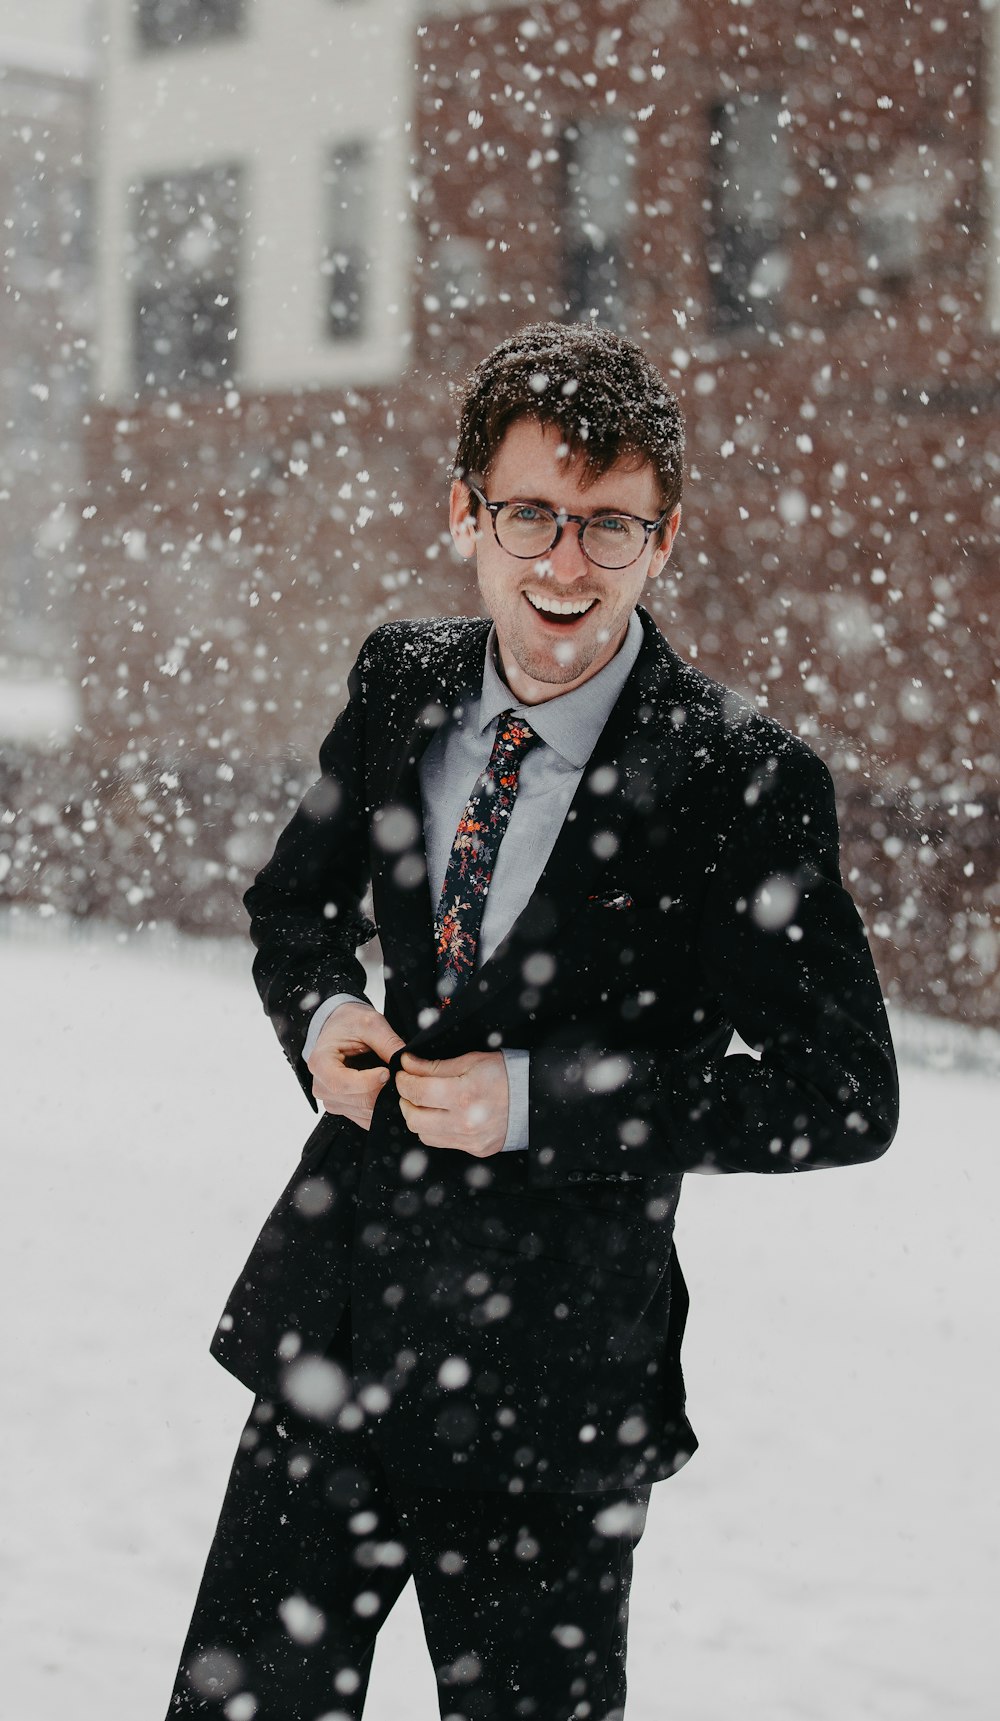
{"x":249,"y":245}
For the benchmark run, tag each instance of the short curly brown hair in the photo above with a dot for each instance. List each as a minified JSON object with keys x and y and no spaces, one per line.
{"x":596,"y":387}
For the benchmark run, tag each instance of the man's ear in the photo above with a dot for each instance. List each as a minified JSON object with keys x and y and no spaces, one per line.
{"x":463,"y":526}
{"x":661,"y":554}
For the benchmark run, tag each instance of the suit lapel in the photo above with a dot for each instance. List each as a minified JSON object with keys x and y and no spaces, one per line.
{"x":403,"y":906}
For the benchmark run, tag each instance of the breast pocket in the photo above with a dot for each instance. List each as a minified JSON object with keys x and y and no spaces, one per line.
{"x":611,"y":901}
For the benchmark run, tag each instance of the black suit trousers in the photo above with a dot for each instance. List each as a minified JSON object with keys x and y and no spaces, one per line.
{"x":524,"y":1598}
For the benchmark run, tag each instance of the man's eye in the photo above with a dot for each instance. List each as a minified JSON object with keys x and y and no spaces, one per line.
{"x":523,"y":514}
{"x":613,"y":525}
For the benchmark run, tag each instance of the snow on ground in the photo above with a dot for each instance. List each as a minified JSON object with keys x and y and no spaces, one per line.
{"x":831,"y":1554}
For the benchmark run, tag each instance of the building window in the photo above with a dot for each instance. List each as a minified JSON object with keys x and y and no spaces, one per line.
{"x":347,"y":257}
{"x":897,"y":205}
{"x":75,"y":213}
{"x":598,"y":162}
{"x":175,"y":23}
{"x":747,"y":264}
{"x":460,"y":274}
{"x":186,"y":231}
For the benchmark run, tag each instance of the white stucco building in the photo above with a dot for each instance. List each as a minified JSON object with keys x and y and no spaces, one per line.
{"x":252,"y":193}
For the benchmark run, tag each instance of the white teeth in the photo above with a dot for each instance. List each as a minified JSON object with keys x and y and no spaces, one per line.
{"x":557,"y":606}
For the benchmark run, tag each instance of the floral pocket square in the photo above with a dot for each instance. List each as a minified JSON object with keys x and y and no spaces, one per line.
{"x":619,"y":899}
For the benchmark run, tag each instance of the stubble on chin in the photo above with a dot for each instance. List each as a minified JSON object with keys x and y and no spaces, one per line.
{"x":561,"y":663}
{"x":566,"y":660}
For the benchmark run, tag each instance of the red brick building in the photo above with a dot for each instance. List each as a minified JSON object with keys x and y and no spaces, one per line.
{"x":788,"y":204}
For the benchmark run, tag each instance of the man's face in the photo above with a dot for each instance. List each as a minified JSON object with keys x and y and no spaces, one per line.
{"x":543,"y":653}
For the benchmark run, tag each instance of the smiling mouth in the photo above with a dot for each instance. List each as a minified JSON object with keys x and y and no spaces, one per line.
{"x":562,"y":610}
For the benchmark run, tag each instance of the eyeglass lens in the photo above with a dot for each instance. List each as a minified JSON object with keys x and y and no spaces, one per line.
{"x":610,"y":541}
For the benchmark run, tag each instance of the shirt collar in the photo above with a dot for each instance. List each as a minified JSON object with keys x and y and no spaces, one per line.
{"x":571,"y":722}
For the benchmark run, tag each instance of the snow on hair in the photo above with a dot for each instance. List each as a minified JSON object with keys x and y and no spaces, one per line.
{"x":596,"y":387}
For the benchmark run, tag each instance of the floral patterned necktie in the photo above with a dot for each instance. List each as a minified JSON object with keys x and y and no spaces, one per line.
{"x":459,"y":919}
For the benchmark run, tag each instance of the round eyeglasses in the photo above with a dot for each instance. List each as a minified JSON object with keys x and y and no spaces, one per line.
{"x":529,"y":531}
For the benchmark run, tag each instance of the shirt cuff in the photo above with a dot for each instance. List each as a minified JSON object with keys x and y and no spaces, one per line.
{"x":323,"y":1012}
{"x":516,"y":1064}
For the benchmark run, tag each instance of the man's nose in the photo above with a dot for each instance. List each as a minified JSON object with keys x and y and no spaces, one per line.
{"x":567,"y":560}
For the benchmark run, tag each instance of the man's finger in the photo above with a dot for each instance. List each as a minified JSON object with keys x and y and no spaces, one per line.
{"x":439,"y":1066}
{"x":354,"y":1082}
{"x":357,"y":1104}
{"x":433,"y":1128}
{"x":430,"y":1093}
{"x":381,"y":1037}
{"x":353,"y":1107}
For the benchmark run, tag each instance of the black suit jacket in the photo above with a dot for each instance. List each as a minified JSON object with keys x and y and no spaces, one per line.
{"x":693,"y":888}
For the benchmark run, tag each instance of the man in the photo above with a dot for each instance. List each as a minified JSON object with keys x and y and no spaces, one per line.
{"x":588,"y":865}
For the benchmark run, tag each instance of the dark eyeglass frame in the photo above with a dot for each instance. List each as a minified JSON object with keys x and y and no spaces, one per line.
{"x":561,"y":519}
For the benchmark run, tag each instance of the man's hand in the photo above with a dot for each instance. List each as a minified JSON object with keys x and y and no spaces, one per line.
{"x":350,"y":1032}
{"x":459,"y":1103}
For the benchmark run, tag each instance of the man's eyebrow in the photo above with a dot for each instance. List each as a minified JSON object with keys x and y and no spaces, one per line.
{"x":556,"y":507}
